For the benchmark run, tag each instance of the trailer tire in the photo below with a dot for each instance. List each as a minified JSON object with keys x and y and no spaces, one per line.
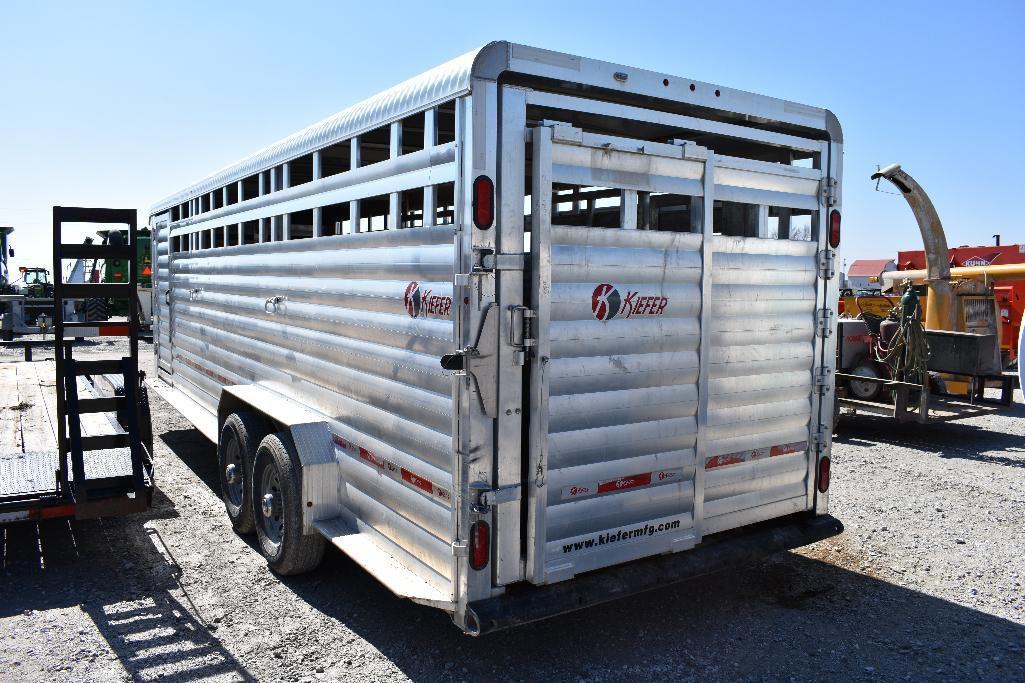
{"x":278,"y":508}
{"x":240,"y":437}
{"x":96,"y":309}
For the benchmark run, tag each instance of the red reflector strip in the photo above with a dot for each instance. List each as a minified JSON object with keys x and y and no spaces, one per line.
{"x":419,"y":482}
{"x":58,"y":511}
{"x":787,"y":448}
{"x":755,"y":454}
{"x":369,"y":456}
{"x":224,"y":381}
{"x":623,"y":483}
{"x":38,"y":513}
{"x":394,"y":471}
{"x":98,"y":331}
{"x":631,"y":481}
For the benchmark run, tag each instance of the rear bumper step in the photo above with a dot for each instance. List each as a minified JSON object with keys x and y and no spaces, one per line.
{"x":522,"y":605}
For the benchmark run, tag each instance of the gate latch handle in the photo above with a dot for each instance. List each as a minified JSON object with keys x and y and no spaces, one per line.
{"x":271,"y":304}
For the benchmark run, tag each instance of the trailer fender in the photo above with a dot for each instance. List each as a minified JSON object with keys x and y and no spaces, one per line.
{"x":321,"y":475}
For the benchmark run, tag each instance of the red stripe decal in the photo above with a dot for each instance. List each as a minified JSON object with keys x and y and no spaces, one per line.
{"x":623,"y":483}
{"x":394,"y":471}
{"x":113,"y":330}
{"x":369,"y":456}
{"x":754,"y":454}
{"x":723,"y":460}
{"x":788,"y":448}
{"x":419,"y":482}
{"x":206,"y":371}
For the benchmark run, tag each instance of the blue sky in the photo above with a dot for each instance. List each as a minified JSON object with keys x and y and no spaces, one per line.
{"x":120,"y":104}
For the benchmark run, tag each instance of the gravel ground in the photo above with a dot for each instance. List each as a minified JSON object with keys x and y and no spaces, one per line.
{"x":926,"y":583}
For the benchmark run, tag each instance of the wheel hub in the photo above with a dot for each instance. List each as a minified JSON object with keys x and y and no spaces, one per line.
{"x":231,"y":474}
{"x":267,"y":505}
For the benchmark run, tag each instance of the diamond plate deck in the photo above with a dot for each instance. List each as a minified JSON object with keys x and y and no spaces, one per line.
{"x":28,"y":442}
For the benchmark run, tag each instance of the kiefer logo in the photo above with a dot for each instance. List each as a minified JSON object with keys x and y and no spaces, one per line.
{"x":607,"y":303}
{"x":422,"y":302}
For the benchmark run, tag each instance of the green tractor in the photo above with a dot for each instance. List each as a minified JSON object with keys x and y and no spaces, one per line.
{"x":116,"y":271}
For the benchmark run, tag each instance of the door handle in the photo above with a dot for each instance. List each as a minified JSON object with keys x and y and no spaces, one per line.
{"x":271,"y":304}
{"x":167,"y":297}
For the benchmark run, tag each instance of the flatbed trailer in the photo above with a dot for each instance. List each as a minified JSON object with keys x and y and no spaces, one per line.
{"x":29,"y":466}
{"x":519,"y":323}
{"x":75,"y":439}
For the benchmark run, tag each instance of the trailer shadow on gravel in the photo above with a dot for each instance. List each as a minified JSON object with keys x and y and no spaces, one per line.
{"x":119,"y":575}
{"x":980,"y":439}
{"x":792,"y":615}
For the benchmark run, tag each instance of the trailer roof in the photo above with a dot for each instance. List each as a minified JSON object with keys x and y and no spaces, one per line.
{"x":496,"y":59}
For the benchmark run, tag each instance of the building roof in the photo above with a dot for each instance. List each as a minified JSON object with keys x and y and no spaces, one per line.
{"x":454,"y":78}
{"x":869,"y":267}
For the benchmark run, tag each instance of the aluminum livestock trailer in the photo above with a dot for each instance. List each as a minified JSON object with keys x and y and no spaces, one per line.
{"x":523,"y":334}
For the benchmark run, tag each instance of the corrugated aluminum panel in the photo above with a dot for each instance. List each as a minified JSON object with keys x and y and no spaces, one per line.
{"x":622,"y":388}
{"x":760,"y":379}
{"x":660,"y":431}
{"x":357,"y":337}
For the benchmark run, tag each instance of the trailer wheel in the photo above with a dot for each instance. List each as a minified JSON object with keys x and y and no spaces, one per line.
{"x":864,"y":391}
{"x":96,"y":309}
{"x":279,"y":525}
{"x":236,"y":449}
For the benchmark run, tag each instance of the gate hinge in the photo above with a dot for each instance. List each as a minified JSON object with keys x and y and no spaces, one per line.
{"x":460,"y":548}
{"x":818,"y":440}
{"x":824,"y":322}
{"x":488,"y":498}
{"x":823,"y":378}
{"x":827,"y":264}
{"x":521,"y":333}
{"x":828,"y":188}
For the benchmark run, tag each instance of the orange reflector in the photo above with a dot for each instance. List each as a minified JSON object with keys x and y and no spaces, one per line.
{"x":147,"y":270}
{"x":51,"y":512}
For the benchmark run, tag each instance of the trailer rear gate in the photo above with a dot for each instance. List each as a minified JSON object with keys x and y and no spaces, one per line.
{"x":636,"y":339}
{"x":650,"y":442}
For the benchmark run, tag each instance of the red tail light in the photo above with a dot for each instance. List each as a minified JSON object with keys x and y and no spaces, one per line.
{"x":483,"y":202}
{"x":480,"y":545}
{"x":834,"y":228}
{"x":823,"y":475}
